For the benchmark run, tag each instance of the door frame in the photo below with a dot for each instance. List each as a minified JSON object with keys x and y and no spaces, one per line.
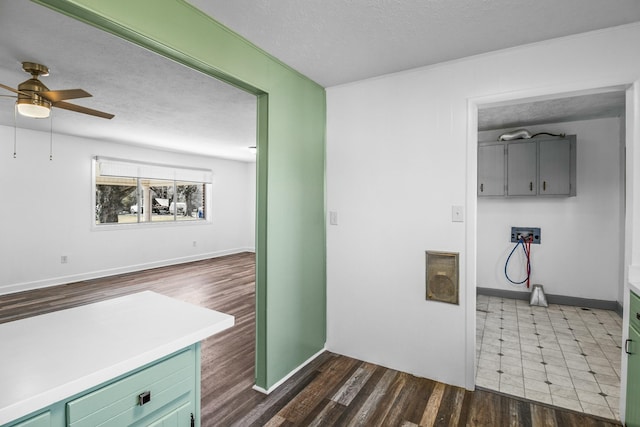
{"x":631,"y":226}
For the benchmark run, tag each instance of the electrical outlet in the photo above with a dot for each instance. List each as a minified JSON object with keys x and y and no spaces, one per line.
{"x":64,"y":259}
{"x":532,"y":233}
{"x":195,"y":243}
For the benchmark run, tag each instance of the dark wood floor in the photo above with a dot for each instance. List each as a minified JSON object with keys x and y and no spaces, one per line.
{"x":333,"y":390}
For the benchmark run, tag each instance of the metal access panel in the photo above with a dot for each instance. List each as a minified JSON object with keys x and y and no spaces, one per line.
{"x":525,"y":232}
{"x":442,"y":277}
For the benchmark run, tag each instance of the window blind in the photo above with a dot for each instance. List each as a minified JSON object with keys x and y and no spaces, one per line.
{"x":126,"y":168}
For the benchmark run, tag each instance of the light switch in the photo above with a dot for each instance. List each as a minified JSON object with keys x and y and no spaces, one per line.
{"x":333,"y":218}
{"x":457,"y":214}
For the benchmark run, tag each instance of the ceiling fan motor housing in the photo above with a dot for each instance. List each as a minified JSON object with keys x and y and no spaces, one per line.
{"x":32,"y":87}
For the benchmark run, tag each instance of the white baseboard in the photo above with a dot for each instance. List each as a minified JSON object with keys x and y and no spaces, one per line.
{"x":289,"y":375}
{"x":45,"y":283}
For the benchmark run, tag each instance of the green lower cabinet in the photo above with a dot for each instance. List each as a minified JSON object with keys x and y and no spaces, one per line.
{"x":142,"y":396}
{"x":163,"y":394}
{"x":42,"y":420}
{"x":633,"y":378}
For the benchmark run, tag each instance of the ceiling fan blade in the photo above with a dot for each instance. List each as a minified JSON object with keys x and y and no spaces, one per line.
{"x":13,"y":90}
{"x":59,"y":95}
{"x":84,"y":110}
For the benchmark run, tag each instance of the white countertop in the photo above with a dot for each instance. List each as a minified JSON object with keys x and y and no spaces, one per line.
{"x":51,"y":357}
{"x":635,"y":287}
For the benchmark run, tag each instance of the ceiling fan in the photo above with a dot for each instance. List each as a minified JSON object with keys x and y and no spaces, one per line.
{"x":35,"y":99}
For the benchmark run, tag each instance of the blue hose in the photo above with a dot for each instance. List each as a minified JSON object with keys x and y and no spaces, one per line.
{"x":526,"y":254}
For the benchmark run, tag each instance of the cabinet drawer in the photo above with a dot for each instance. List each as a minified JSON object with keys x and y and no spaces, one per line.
{"x":634,"y":311}
{"x":42,"y":420}
{"x":117,"y":404}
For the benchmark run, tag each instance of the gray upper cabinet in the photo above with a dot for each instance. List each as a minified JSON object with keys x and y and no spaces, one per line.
{"x":522,"y":165}
{"x":529,"y":167}
{"x":491,"y":169}
{"x":556,"y":167}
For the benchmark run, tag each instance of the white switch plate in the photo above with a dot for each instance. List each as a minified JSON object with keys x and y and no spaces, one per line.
{"x":333,"y":218}
{"x":457,"y":213}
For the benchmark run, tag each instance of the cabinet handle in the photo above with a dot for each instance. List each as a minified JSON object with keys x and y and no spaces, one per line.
{"x":626,"y":346}
{"x":482,"y":187}
{"x":193,"y":421}
{"x":544,"y":185}
{"x":638,"y":316}
{"x":530,"y":186}
{"x":144,"y":398}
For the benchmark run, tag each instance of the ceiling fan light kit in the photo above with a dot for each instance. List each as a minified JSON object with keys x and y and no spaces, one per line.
{"x":37,"y":109}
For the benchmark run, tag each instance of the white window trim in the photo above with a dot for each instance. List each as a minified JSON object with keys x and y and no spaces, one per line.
{"x":179,"y":172}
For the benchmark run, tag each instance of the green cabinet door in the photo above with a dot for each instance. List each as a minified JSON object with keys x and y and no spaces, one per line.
{"x":633,"y":378}
{"x":180,"y":417}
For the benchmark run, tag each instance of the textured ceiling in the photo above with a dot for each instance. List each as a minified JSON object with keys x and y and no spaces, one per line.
{"x":159,"y":103}
{"x":567,"y":109}
{"x":339,"y":41}
{"x":156,"y":102}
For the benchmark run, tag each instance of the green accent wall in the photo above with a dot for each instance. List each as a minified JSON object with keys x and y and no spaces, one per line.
{"x":290,"y":234}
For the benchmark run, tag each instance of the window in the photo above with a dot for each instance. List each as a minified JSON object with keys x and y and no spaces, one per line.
{"x":132,"y":193}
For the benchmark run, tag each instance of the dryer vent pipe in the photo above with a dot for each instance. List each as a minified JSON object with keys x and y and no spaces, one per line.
{"x":524,"y":134}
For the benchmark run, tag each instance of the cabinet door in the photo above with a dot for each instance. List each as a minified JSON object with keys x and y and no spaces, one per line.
{"x":633,"y":373}
{"x":180,"y":417}
{"x":555,"y":167}
{"x":491,"y":170}
{"x":522,"y":169}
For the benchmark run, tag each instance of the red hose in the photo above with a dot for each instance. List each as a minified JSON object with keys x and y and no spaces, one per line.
{"x":528,"y":241}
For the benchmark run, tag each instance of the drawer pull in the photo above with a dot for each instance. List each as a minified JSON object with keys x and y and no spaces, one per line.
{"x":626,"y":346}
{"x":638,"y":316}
{"x":144,"y":398}
{"x":482,"y":187}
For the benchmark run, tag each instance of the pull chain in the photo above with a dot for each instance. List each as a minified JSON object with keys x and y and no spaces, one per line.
{"x":15,"y":113}
{"x":50,"y":136}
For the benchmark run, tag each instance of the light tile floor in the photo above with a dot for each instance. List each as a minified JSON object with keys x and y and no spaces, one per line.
{"x":561,"y":355}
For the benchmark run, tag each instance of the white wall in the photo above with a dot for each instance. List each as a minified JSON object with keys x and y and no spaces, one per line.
{"x":401,"y":151}
{"x":580,"y":251}
{"x":47,"y":213}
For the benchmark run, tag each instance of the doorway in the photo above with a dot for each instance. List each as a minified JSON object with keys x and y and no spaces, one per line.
{"x":165,"y":114}
{"x":567,"y":355}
